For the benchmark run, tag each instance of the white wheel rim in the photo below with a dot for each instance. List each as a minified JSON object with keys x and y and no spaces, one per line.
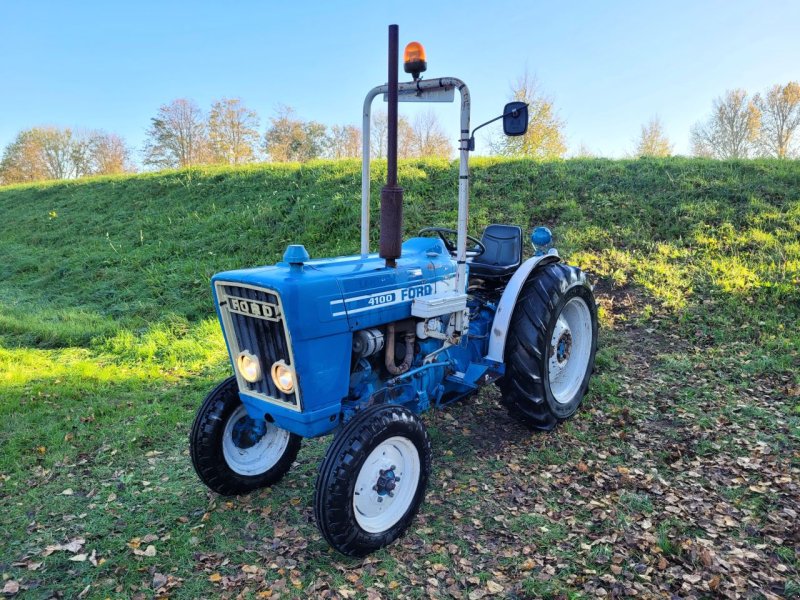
{"x":377,"y":512}
{"x":258,"y":458}
{"x":570,"y":349}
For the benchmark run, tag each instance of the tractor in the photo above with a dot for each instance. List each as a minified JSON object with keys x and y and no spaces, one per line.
{"x":360,"y":346}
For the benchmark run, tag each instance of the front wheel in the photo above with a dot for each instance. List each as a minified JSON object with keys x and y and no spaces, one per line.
{"x":372,"y":480}
{"x":232,"y":453}
{"x":550,"y":347}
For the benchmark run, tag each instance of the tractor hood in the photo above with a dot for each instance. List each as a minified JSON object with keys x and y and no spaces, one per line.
{"x":329,"y":296}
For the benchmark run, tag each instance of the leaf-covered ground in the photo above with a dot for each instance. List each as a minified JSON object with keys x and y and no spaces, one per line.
{"x":679,"y":477}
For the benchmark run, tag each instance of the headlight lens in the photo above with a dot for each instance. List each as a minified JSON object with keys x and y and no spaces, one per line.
{"x":283,"y":377}
{"x":248,"y":366}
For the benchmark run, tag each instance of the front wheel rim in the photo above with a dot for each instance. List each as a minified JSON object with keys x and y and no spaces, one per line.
{"x":570,"y":350}
{"x":386,"y":484}
{"x":257,"y":458}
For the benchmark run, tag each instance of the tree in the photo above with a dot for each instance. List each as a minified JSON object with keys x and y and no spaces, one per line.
{"x":780,"y":117}
{"x":731,"y":131}
{"x":177,"y":136}
{"x":344,"y":141}
{"x":379,"y":136}
{"x":109,"y":154}
{"x":428,"y":137}
{"x":653,"y":141}
{"x":290,"y":139}
{"x":232,"y":131}
{"x":59,"y":153}
{"x":545,"y":136}
{"x":23,"y":160}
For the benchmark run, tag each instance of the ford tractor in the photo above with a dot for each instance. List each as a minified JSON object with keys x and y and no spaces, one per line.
{"x":360,"y":346}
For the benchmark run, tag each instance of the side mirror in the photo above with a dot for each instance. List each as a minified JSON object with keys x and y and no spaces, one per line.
{"x":515,"y":118}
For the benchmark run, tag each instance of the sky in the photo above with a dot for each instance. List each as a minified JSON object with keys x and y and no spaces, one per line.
{"x":607,"y":66}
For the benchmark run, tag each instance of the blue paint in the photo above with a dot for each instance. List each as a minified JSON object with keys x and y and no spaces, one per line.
{"x":324,"y":301}
{"x":541,"y":238}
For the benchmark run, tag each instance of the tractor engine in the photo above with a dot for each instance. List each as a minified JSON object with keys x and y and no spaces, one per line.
{"x":408,"y":362}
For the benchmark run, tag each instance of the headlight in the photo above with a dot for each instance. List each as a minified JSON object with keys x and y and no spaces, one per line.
{"x":283,"y":377}
{"x":248,"y":366}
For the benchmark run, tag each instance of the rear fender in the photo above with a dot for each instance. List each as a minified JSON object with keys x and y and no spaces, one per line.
{"x":505,"y":308}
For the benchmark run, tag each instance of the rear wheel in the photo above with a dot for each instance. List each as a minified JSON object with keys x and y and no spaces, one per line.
{"x":550,"y":347}
{"x":232,"y":453}
{"x":372,"y":480}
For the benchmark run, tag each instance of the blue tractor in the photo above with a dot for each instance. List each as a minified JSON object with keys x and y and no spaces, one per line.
{"x":360,"y":346}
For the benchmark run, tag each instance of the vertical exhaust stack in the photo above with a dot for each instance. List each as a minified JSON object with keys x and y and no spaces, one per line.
{"x":392,"y":194}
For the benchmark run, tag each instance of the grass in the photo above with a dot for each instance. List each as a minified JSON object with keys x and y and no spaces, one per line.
{"x":108,"y":343}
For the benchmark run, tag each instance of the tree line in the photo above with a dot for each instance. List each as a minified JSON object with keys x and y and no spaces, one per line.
{"x":181,"y":134}
{"x":740,"y":126}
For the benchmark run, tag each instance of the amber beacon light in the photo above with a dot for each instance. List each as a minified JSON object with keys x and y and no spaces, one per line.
{"x":414,"y":59}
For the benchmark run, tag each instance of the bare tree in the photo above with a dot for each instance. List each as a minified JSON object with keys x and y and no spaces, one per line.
{"x":344,"y":141}
{"x":177,"y":136}
{"x":232,"y":131}
{"x":428,"y":137}
{"x":584,"y":151}
{"x":545,"y":136}
{"x":379,"y":136}
{"x":652,"y":141}
{"x":780,"y":117}
{"x":58,"y":152}
{"x":290,"y":139}
{"x":731,"y":131}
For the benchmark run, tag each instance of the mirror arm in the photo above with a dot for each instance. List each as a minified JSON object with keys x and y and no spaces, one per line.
{"x":472,"y":137}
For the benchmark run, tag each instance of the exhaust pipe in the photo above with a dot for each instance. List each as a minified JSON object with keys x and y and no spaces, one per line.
{"x":392,"y":194}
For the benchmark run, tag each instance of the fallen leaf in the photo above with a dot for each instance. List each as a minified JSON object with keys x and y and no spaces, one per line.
{"x":78,"y":558}
{"x":215,"y":577}
{"x":11,"y":587}
{"x":528,"y":565}
{"x":67,"y":492}
{"x":149,"y":551}
{"x":494,"y":587}
{"x":159,"y":580}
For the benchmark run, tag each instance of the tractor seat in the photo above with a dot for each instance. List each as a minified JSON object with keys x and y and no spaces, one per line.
{"x":503,"y":253}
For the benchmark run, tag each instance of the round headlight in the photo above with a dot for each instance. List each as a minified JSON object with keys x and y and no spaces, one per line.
{"x":283,"y":377}
{"x":248,"y":366}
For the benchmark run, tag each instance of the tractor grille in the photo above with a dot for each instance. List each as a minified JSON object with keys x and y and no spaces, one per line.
{"x":254,"y":322}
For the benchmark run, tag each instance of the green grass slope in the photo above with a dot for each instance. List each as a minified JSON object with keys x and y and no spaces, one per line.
{"x":108,"y":342}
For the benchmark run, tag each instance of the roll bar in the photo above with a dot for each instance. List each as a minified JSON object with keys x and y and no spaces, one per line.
{"x":420,"y":88}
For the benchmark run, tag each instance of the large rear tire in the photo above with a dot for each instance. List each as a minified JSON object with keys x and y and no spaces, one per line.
{"x":228,"y":458}
{"x":550,"y":347}
{"x":372,"y":480}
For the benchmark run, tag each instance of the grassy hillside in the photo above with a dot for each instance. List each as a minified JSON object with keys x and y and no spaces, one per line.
{"x":108,"y":343}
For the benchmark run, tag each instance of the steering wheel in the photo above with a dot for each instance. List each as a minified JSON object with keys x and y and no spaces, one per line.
{"x":447,"y":237}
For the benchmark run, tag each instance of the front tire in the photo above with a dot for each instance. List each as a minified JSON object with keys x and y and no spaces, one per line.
{"x":372,"y":480}
{"x":229,"y":460}
{"x":550,"y":347}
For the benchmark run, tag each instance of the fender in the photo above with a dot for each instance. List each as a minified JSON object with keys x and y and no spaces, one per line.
{"x":505,"y":308}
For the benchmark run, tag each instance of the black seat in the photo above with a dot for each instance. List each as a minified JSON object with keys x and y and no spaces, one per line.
{"x":503,"y":252}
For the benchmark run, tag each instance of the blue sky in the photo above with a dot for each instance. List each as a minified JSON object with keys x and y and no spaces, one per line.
{"x":608,"y":66}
